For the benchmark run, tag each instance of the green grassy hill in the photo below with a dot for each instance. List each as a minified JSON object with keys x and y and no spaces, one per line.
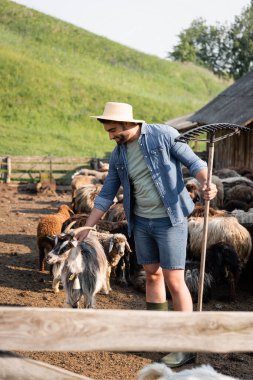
{"x":55,"y":75}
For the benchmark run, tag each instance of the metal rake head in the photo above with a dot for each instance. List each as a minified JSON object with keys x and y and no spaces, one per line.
{"x":211,"y":129}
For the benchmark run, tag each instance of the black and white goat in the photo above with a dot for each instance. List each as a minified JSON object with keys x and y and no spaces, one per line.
{"x":83,"y":267}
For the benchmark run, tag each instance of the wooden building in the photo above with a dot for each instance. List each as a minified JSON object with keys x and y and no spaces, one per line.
{"x":235,"y":106}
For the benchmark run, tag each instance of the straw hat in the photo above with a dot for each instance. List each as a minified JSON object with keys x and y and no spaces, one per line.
{"x":118,"y":112}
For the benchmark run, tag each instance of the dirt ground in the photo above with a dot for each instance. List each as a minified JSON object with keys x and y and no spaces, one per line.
{"x":22,"y":284}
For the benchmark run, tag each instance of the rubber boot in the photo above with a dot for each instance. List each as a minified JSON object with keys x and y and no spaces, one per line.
{"x":173,"y":359}
{"x":157,"y":306}
{"x":177,"y":359}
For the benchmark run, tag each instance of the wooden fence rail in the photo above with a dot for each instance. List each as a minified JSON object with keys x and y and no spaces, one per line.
{"x":35,"y":329}
{"x":29,"y":168}
{"x":124,"y":330}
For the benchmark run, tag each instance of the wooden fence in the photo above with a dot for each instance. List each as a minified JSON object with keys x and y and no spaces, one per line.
{"x":30,"y":168}
{"x":35,"y":329}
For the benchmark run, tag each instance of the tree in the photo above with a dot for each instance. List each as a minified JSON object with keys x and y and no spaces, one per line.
{"x":241,"y":36}
{"x":224,"y":50}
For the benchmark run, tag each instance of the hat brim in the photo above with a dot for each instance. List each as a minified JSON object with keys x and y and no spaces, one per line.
{"x":115,"y":118}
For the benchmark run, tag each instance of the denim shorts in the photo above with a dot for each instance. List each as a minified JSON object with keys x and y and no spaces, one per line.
{"x":157,"y":241}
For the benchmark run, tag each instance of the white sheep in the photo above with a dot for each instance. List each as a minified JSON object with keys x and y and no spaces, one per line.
{"x":157,"y":371}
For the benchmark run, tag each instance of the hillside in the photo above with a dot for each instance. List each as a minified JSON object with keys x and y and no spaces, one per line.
{"x":55,"y":75}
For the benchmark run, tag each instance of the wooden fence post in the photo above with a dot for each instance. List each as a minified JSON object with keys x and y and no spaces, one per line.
{"x":8,"y":168}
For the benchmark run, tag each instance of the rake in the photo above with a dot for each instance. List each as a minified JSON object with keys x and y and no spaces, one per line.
{"x":193,"y":135}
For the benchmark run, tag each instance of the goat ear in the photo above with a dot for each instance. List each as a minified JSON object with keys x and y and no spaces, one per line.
{"x":111,"y":244}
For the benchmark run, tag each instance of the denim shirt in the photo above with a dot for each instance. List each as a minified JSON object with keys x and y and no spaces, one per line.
{"x":163,"y":157}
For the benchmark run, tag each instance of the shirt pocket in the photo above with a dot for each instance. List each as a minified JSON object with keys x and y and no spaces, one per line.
{"x":121,"y":171}
{"x":161,"y":156}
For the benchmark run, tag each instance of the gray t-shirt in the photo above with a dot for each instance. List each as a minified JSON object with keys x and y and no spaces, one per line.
{"x":148,"y":203}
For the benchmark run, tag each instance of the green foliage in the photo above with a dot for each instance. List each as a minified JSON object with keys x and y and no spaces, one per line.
{"x":241,"y":35}
{"x":227,"y":51}
{"x":55,"y":75}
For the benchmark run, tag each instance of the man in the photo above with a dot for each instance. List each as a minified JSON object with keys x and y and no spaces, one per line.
{"x":147,"y":163}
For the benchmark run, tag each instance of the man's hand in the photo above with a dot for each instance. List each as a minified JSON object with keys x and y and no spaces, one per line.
{"x":209,"y":192}
{"x":82,"y":235}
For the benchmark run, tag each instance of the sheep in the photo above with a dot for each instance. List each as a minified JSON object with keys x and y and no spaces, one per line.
{"x":243,"y":216}
{"x":115,"y":246}
{"x":199,"y":211}
{"x":84,"y":199}
{"x":226,"y":173}
{"x":116,"y":213}
{"x":222,"y":262}
{"x":50,"y":225}
{"x":235,"y":205}
{"x":227,"y":230}
{"x":80,"y":181}
{"x":159,"y":371}
{"x":242,"y":193}
{"x":99,"y":175}
{"x":229,"y":183}
{"x":195,"y":191}
{"x":84,"y":267}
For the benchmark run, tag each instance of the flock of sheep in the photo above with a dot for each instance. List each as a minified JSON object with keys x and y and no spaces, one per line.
{"x":86,"y":268}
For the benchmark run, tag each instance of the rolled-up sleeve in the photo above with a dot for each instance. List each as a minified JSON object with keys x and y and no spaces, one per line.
{"x":110,"y":188}
{"x":185,"y":154}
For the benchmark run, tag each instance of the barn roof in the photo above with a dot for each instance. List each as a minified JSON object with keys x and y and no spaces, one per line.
{"x":233,"y":105}
{"x":182,"y":122}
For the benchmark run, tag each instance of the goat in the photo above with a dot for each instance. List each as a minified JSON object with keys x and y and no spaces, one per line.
{"x":127,"y":266}
{"x":85,"y":268}
{"x":158,"y":371}
{"x":50,"y":225}
{"x":195,"y":191}
{"x":115,"y":246}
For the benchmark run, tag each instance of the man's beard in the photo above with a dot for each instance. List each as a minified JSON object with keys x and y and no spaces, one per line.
{"x":120,"y":139}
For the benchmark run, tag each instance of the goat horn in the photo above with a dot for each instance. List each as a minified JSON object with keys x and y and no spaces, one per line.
{"x":79,"y":229}
{"x":128,"y":247}
{"x":67,"y":229}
